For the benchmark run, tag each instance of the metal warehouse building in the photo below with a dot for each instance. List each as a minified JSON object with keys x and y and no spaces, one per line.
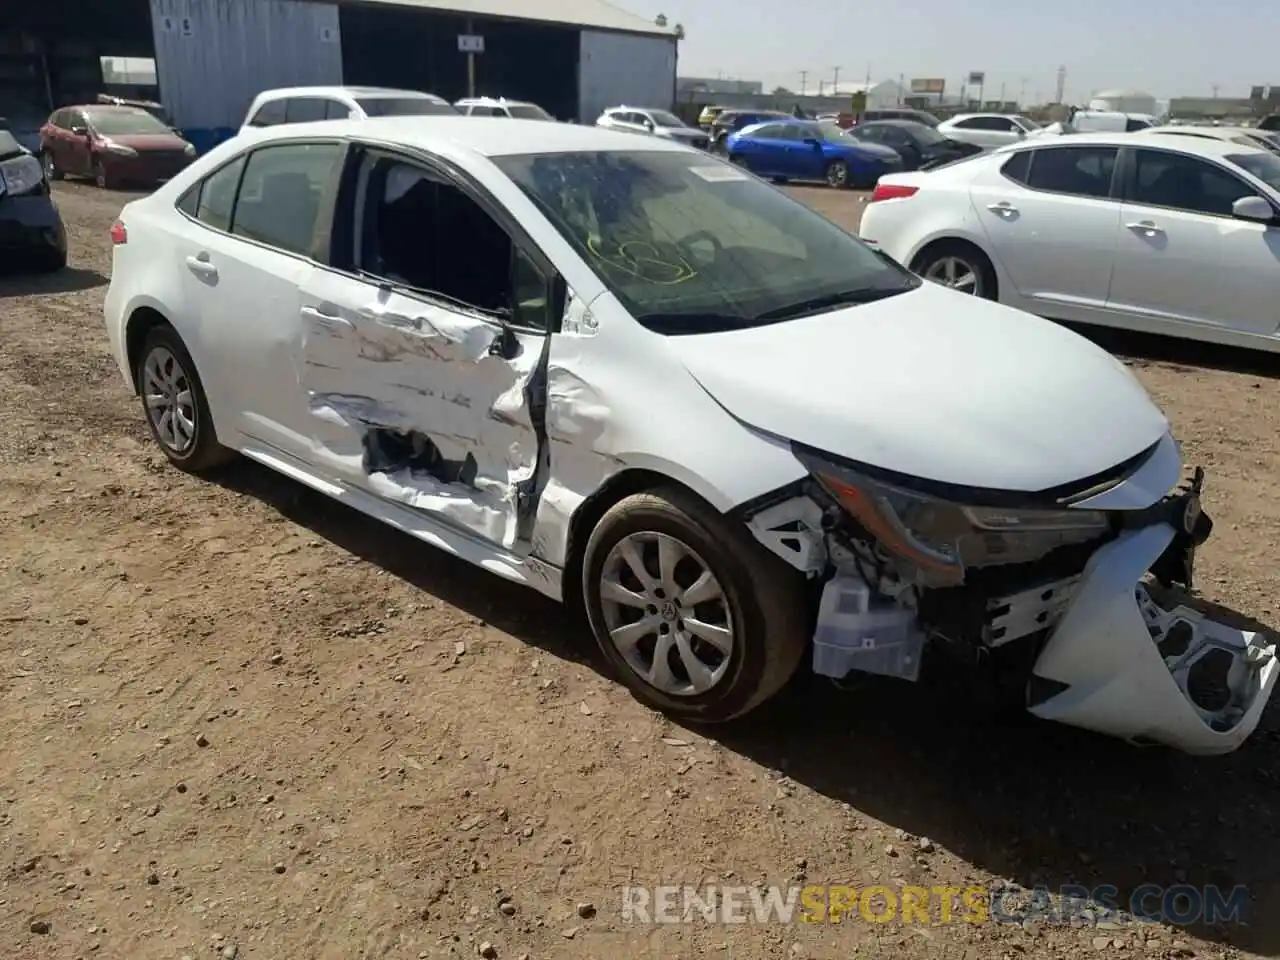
{"x":573,"y":57}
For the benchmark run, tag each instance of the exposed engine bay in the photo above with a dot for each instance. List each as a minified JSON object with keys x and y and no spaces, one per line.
{"x":1066,"y":593}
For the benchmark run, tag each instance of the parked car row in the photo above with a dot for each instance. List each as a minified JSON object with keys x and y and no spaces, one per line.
{"x":1163,"y":232}
{"x":838,"y":494}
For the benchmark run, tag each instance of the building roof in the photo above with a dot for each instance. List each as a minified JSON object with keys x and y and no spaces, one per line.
{"x":593,"y":14}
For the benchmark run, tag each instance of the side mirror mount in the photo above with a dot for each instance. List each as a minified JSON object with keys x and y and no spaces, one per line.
{"x":1253,"y":208}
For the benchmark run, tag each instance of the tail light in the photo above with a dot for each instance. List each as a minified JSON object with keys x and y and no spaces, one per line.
{"x":892,"y":191}
{"x":119,"y":234}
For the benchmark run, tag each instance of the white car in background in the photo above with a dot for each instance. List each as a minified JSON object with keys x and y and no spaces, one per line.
{"x":1245,"y":136}
{"x":833,"y":485}
{"x":1166,"y":234}
{"x":502,"y":107}
{"x":659,"y":123}
{"x":285,"y":105}
{"x":987,"y":130}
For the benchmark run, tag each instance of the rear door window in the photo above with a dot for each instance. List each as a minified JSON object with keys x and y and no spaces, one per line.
{"x":1079,"y":171}
{"x":280,"y":195}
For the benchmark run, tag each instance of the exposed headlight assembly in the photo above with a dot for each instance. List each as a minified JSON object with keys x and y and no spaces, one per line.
{"x":940,"y":539}
{"x":20,"y":174}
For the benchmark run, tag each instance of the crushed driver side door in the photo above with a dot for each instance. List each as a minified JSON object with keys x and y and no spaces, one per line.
{"x":424,"y":354}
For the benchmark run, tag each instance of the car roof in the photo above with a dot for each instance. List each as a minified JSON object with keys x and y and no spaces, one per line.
{"x":893,"y":122}
{"x":1200,"y":128}
{"x":496,"y":137}
{"x":340,"y":91}
{"x":1118,"y":138}
{"x":494,"y":102}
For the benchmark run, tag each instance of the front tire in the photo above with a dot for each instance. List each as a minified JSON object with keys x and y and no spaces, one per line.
{"x":101,"y":177}
{"x":690,"y":611}
{"x":174,"y":403}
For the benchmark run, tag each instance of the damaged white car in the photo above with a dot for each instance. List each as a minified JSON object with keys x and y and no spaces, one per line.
{"x":636,"y":378}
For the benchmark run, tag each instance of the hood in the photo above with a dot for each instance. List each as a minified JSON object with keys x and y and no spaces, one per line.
{"x":937,"y":385}
{"x":875,"y":151}
{"x":146,"y":142}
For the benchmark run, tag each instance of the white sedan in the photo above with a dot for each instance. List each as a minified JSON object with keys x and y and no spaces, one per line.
{"x":1246,"y":136}
{"x":494,"y":337}
{"x":987,"y":129}
{"x":1165,"y":234}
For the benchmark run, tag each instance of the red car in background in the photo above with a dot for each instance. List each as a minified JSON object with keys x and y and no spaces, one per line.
{"x":113,"y":145}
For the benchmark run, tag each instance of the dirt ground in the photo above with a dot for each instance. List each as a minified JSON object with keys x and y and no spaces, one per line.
{"x":239,"y":720}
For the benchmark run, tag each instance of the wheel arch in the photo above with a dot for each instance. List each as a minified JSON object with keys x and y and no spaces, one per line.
{"x":957,"y":240}
{"x":142,"y":320}
{"x":624,"y":483}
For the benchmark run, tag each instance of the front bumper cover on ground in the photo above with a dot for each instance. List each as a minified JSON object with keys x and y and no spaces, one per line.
{"x":1119,"y":663}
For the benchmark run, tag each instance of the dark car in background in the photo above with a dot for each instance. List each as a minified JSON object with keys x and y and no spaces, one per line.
{"x":920,"y":147}
{"x":898,"y":113}
{"x":31,"y":230}
{"x":113,"y":145}
{"x":792,"y":149}
{"x":731,"y":121}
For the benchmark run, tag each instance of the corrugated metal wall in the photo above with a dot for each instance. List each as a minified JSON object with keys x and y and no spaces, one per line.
{"x":616,"y":68}
{"x":214,"y":56}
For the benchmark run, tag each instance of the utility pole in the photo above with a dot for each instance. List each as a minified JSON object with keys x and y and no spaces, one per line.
{"x":835,"y":80}
{"x":1002,"y":100}
{"x":1022,"y":92}
{"x":1062,"y":85}
{"x":804,"y":81}
{"x":1214,"y":88}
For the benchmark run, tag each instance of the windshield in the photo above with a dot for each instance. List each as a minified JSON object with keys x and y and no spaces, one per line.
{"x":124,"y":121}
{"x":1264,"y":166}
{"x":664,"y":119}
{"x":403,"y":107}
{"x":695,"y":245}
{"x":528,"y":111}
{"x":1025,"y":123}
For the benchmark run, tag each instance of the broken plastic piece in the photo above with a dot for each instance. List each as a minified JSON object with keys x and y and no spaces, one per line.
{"x":857,"y":631}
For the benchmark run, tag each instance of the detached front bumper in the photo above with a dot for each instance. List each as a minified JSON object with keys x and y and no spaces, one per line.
{"x":1118,"y":663}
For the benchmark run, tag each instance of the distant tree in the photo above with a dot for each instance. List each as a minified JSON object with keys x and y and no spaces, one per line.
{"x":782,"y":92}
{"x":660,"y":19}
{"x":679,"y":31}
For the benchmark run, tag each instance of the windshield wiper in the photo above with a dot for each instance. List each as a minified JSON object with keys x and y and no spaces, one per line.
{"x":830,"y":301}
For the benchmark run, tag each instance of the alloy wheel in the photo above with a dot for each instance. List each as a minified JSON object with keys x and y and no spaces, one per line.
{"x":955,"y":273}
{"x":170,"y":401}
{"x":666,"y":613}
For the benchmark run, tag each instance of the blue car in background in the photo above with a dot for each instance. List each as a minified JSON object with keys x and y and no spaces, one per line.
{"x":790,"y":149}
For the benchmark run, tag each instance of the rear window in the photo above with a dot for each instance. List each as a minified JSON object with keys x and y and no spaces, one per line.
{"x":269,"y":114}
{"x":528,"y":111}
{"x":403,"y":107}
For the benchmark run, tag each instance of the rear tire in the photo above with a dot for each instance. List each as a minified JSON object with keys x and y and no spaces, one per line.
{"x":52,"y":172}
{"x":837,"y":175}
{"x":725,"y":633}
{"x":174,"y":403}
{"x":959,"y":266}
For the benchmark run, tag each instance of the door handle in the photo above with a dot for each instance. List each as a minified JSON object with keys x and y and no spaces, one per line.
{"x":1002,"y":208}
{"x":1147,"y":228}
{"x":326,"y":315}
{"x":201,"y":267}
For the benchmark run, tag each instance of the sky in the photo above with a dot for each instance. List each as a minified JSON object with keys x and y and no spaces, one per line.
{"x":1168,"y":48}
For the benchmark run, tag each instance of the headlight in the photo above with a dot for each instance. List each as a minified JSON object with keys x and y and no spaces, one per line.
{"x":119,"y":148}
{"x":189,"y":149}
{"x":940,"y":538}
{"x":19,"y":175}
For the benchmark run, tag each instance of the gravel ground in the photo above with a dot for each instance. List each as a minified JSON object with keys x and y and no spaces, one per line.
{"x":240,"y":720}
